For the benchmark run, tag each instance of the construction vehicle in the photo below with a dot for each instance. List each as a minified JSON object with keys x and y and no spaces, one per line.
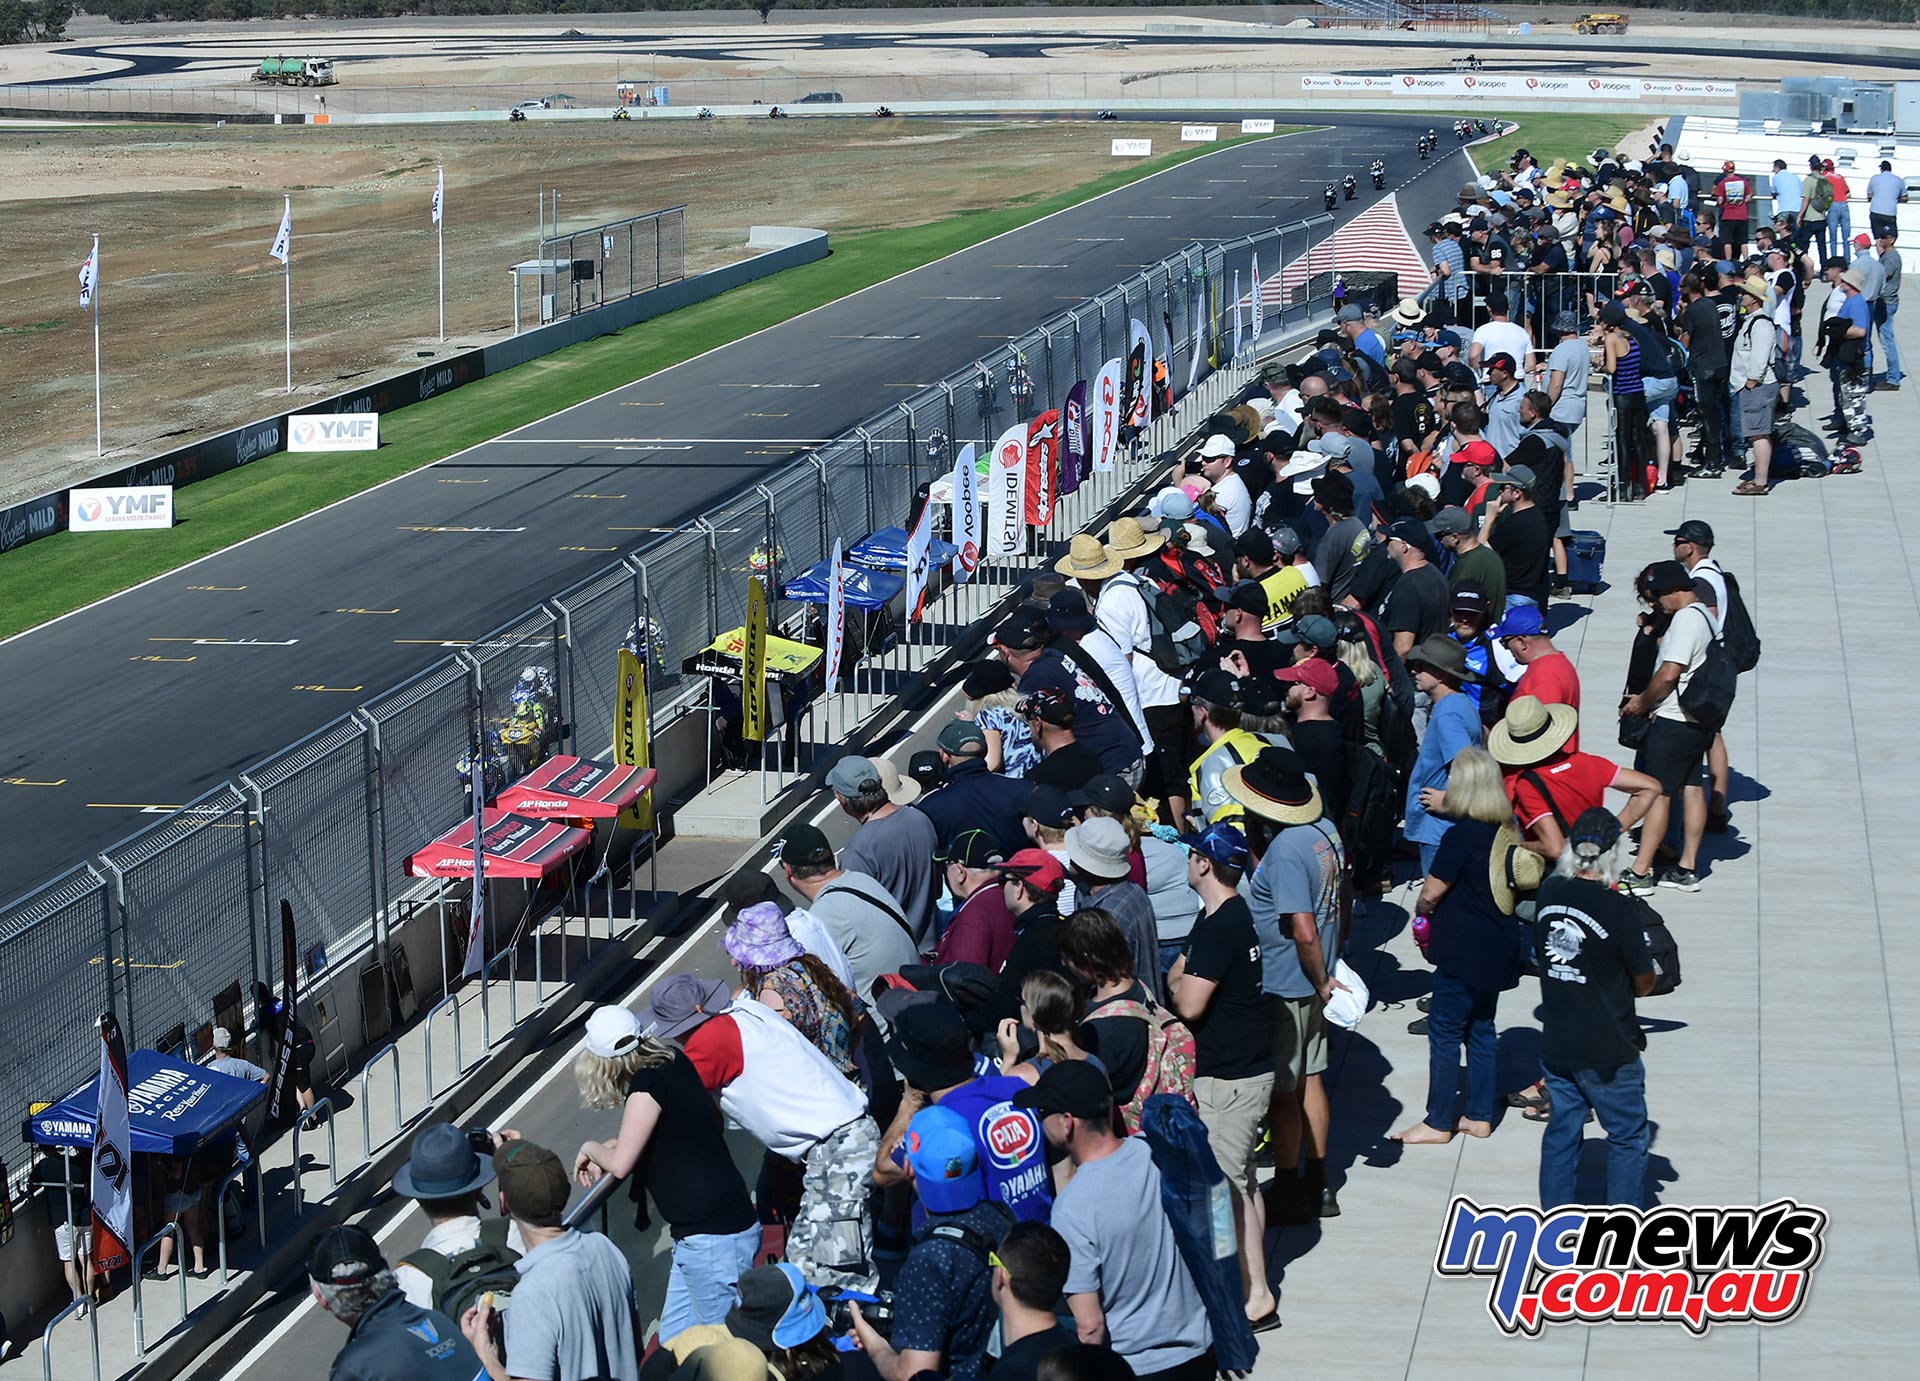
{"x":296,"y":72}
{"x":1600,"y":24}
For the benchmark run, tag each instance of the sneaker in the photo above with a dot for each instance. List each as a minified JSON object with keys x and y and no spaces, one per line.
{"x":1681,"y":879}
{"x":1562,"y":591}
{"x":1636,"y":883}
{"x":1417,"y":1027}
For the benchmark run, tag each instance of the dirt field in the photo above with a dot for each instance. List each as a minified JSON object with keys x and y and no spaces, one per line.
{"x":191,"y":304}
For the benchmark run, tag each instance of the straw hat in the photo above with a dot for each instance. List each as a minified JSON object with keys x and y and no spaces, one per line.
{"x":1087,"y":559}
{"x":1273,"y":785}
{"x":1127,"y":540}
{"x":1513,"y":869}
{"x":1617,"y":199}
{"x":1409,"y":313}
{"x":1531,"y":732}
{"x":1755,"y":286}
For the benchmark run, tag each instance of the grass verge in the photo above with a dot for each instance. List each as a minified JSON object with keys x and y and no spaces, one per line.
{"x":63,"y":572}
{"x":1549,"y":137}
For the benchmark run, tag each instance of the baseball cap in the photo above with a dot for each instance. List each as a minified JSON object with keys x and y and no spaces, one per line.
{"x":961,"y":737}
{"x":1317,"y":630}
{"x":1221,"y":843}
{"x":1727,"y":166}
{"x":1050,"y":806}
{"x":1073,"y":1087}
{"x":1450,"y":521}
{"x":1612,"y":314}
{"x":1049,"y":705}
{"x":1521,"y":621}
{"x":944,"y":1156}
{"x":1350,"y":312}
{"x":1502,"y":361}
{"x":1216,"y":687}
{"x":1107,"y":791}
{"x":1315,"y":674}
{"x":1216,"y":446}
{"x":345,"y":1255}
{"x":988,"y":676}
{"x":1469,"y":598}
{"x":974,"y":848}
{"x":1024,"y":630}
{"x":1668,"y":577}
{"x":1256,"y":545}
{"x":1250,"y":597}
{"x":1517,"y":475}
{"x":1479,"y":453}
{"x":1287,"y":541}
{"x":1862,"y":240}
{"x":1694,"y":531}
{"x":925,"y":770}
{"x":854,"y":775}
{"x":801,"y":844}
{"x":533,"y":1182}
{"x":613,"y":1032}
{"x":222,"y":1038}
{"x":1261,"y":695}
{"x":1036,"y":867}
{"x":1409,"y":530}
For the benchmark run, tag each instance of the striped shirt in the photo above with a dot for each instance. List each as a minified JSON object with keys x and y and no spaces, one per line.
{"x":1447,"y":253}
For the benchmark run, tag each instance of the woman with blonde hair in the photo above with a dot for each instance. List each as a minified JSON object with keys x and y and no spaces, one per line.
{"x":991,"y":697}
{"x":1353,"y":653}
{"x":1466,"y":911}
{"x":1051,"y":1007}
{"x":672,"y":1149}
{"x":777,"y":972}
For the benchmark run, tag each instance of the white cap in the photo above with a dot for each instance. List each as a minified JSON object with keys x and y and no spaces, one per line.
{"x":1262,"y":405}
{"x":1198,"y":539}
{"x":1216,"y":446}
{"x":612,"y":1032}
{"x":222,"y":1038}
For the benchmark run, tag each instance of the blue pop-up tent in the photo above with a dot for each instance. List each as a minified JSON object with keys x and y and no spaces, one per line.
{"x":886,"y":550}
{"x":175,"y":1107}
{"x":865,"y":589}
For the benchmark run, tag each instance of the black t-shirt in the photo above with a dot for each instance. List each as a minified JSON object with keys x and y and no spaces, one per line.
{"x":1119,"y":1041}
{"x":1021,"y":1361}
{"x":1417,"y":604}
{"x":1070,"y":767}
{"x":1726,"y":305}
{"x":1471,"y":939}
{"x":1524,"y":541}
{"x":1497,"y":252}
{"x":686,"y":1167}
{"x":1230,"y":1038}
{"x":1264,"y":655}
{"x":1322,"y":747}
{"x":1706,"y":349}
{"x":1590,"y":942}
{"x":1413,"y":419}
{"x":1036,"y":946}
{"x":1375,"y":574}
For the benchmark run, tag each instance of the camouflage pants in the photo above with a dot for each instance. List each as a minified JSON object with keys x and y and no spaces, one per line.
{"x":1852,"y":383}
{"x":832,"y":1235}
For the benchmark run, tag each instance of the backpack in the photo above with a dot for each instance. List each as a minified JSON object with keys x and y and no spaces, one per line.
{"x":1177,"y":640}
{"x":459,"y":1281}
{"x":1372,"y":808}
{"x":1662,"y":948}
{"x":1822,"y":199}
{"x":1708,"y":697}
{"x":1170,"y":1056}
{"x":1736,"y":629}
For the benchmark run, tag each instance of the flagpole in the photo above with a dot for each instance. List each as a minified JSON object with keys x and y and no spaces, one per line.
{"x":440,"y":221}
{"x":98,"y":449}
{"x":287,"y":284}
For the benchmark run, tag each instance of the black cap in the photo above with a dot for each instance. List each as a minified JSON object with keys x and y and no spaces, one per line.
{"x":1263,"y":696}
{"x":1250,"y":597}
{"x":1668,"y":577}
{"x":974,"y":849}
{"x":1024,"y":630}
{"x":1050,"y":806}
{"x":1074,"y":1087}
{"x":1106,"y":791}
{"x":1216,"y":687}
{"x":989,"y":676}
{"x":930,"y":1046}
{"x":1694,"y":531}
{"x":749,"y":887}
{"x":1411,"y":531}
{"x":802,"y":844}
{"x":345,"y":1255}
{"x":926,"y":768}
{"x":1049,"y":705}
{"x":1255,"y":545}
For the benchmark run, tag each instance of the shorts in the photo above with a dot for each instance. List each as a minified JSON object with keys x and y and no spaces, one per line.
{"x":1756,"y":411}
{"x":65,"y":1237}
{"x":1660,"y":395}
{"x":1674,"y":753}
{"x":1734,"y":235}
{"x":1172,"y":729}
{"x":1297,"y":1026}
{"x":1233,"y":1110}
{"x":182,"y":1203}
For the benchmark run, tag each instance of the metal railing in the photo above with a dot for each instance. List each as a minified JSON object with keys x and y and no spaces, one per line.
{"x":93,"y":1330}
{"x":300,"y":1124}
{"x":366,"y":1106}
{"x":139,"y":1271}
{"x":236,"y":1177}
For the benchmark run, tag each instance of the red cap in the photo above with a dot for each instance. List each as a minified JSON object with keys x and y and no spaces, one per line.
{"x":1315,"y":674}
{"x":1826,"y":165}
{"x":1036,"y":867}
{"x":1479,"y":453}
{"x":1862,"y":240}
{"x":1727,"y":167}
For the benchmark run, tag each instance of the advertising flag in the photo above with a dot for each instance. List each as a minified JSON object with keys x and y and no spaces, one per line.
{"x":966,"y":514}
{"x":90,"y":274}
{"x":1043,"y":462}
{"x":1164,"y":401}
{"x":1236,"y":314}
{"x":1007,"y":493}
{"x":1073,"y":439}
{"x":1259,"y":301}
{"x":630,"y":745}
{"x":283,"y":240}
{"x":836,"y":618}
{"x":476,"y":961}
{"x":280,"y":1093}
{"x":111,"y":1190}
{"x":439,"y":191}
{"x":753,"y":664}
{"x":919,"y":546}
{"x":1134,"y":401}
{"x":1106,"y":414}
{"x":1197,"y":308}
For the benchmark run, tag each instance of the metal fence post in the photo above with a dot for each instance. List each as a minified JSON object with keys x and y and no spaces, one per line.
{"x":866,"y":455}
{"x":117,"y":891}
{"x":563,"y":673}
{"x":376,"y":833}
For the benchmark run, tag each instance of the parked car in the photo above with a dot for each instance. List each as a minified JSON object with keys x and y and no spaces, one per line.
{"x":821,"y":98}
{"x":524,"y":106}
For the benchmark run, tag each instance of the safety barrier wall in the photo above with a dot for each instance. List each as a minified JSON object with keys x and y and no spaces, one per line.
{"x":187,"y":909}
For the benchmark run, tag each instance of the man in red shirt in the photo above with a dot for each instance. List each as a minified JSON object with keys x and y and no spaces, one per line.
{"x":1733,"y":192}
{"x":1550,"y":783}
{"x":981,"y":931}
{"x":1548,"y":674}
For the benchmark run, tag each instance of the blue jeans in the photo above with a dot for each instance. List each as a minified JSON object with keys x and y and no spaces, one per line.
{"x":1620,"y":1102}
{"x":1883,"y":315}
{"x":1459,"y":1012}
{"x":1840,"y":229}
{"x":1169,"y":951}
{"x":1427,"y":851}
{"x":700,"y":1282}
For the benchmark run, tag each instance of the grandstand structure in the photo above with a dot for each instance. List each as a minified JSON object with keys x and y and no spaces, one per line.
{"x":1399,"y":14}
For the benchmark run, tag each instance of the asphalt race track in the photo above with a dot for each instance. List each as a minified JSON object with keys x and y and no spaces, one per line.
{"x":111,"y":723}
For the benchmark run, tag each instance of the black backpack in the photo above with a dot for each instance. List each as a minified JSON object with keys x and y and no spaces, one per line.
{"x":1707,"y":699}
{"x":460,"y":1280}
{"x":1372,"y":808}
{"x":1736,"y":628}
{"x":1662,"y":948}
{"x":1177,"y":641}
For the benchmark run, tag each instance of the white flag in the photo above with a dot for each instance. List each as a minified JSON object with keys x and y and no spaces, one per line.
{"x":283,"y":241}
{"x":1236,"y":314}
{"x":1007,"y":493}
{"x":1198,"y":311}
{"x":90,"y":274}
{"x":1106,"y":414}
{"x":1259,"y":301}
{"x":439,"y":191}
{"x":919,"y":550}
{"x":836,"y":618}
{"x":966,"y":514}
{"x":110,"y":1190}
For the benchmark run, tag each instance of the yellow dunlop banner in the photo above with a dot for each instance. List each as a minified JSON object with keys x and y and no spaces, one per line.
{"x":753,"y":665}
{"x":631,"y":747}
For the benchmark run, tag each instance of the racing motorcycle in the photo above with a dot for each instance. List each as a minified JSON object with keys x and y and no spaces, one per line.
{"x":1379,"y":174}
{"x":1332,"y":197}
{"x":1348,"y":187}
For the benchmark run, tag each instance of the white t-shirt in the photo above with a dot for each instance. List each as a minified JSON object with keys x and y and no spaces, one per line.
{"x":1104,"y":650}
{"x":1686,"y":644}
{"x":1121,"y":612}
{"x":1236,"y":504}
{"x":449,"y":1239}
{"x":1502,"y":338}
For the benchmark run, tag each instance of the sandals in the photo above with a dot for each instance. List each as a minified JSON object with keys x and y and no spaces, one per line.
{"x":1749,"y":489}
{"x":1534,"y":1096}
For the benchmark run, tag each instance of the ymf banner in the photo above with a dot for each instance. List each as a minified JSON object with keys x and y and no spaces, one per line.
{"x":630,"y":745}
{"x":753,"y":665}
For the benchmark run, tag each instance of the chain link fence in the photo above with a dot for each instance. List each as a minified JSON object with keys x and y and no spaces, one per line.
{"x":165,"y":925}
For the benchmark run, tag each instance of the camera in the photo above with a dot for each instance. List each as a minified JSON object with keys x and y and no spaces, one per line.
{"x":482,"y":1140}
{"x":876,"y":1309}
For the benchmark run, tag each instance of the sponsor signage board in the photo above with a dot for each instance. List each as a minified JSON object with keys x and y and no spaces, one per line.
{"x":333,"y":431}
{"x":1199,"y":134}
{"x":119,"y":510}
{"x":1132,"y":148}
